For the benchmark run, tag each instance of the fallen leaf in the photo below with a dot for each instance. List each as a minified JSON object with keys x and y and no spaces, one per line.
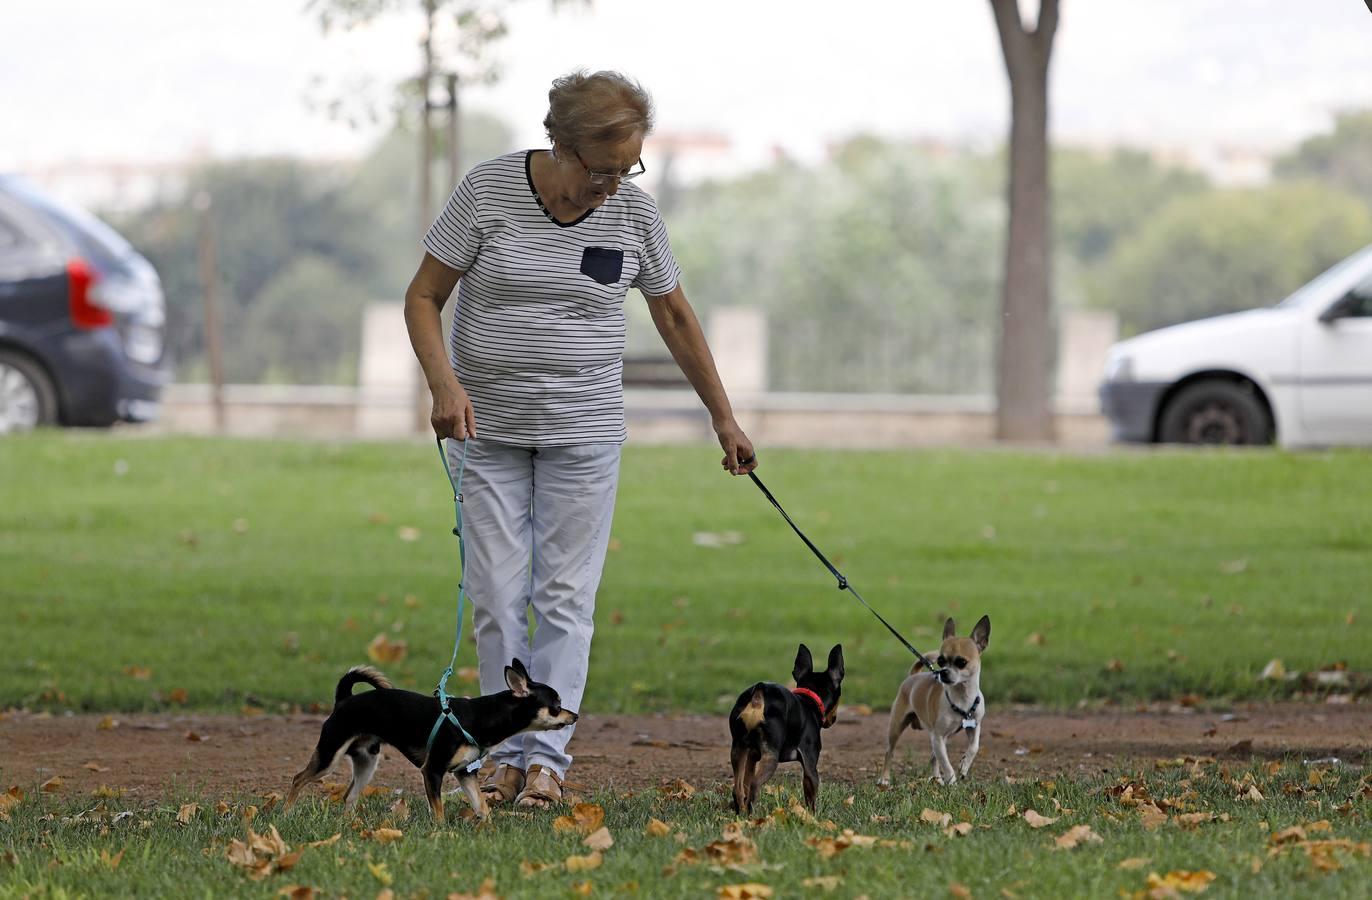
{"x":600,"y":839}
{"x":584,"y":863}
{"x":407,"y":533}
{"x":380,"y":872}
{"x":298,"y":892}
{"x":106,"y":723}
{"x":179,"y":696}
{"x":677,"y":789}
{"x":193,"y":737}
{"x":961,"y":829}
{"x":1253,"y":795}
{"x":52,"y":785}
{"x":823,"y":882}
{"x":1077,"y":834}
{"x":584,"y":818}
{"x":386,"y":835}
{"x":1151,"y":816}
{"x":139,"y":673}
{"x":1134,"y":862}
{"x":187,"y":812}
{"x":109,"y":793}
{"x":583,"y":888}
{"x":1037,"y":821}
{"x":745,"y":891}
{"x":1114,"y":665}
{"x":95,"y":767}
{"x":326,"y":842}
{"x":531,"y":868}
{"x":485,"y":892}
{"x":1275,"y":670}
{"x":961,"y":891}
{"x":657,"y":828}
{"x":1192,"y":820}
{"x":1035,"y":639}
{"x":1180,"y":880}
{"x":384,"y":650}
{"x":933,"y":817}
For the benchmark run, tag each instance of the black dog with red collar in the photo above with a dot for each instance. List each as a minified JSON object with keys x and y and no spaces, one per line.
{"x":772,"y":724}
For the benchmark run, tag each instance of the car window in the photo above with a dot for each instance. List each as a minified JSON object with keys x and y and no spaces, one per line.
{"x":1362,"y":293}
{"x":92,"y":237}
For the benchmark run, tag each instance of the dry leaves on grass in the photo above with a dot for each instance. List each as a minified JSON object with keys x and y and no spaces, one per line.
{"x":1075,"y":836}
{"x":1134,"y":862}
{"x":933,"y":817}
{"x":112,"y":862}
{"x":138,"y":673}
{"x":657,"y":828}
{"x":677,"y":789}
{"x":298,"y":892}
{"x":383,"y":835}
{"x":1036,"y":820}
{"x":262,"y":854}
{"x":1176,"y":881}
{"x":187,"y":813}
{"x":9,"y":800}
{"x":829,"y":847}
{"x":600,"y":839}
{"x":52,"y":785}
{"x":383,"y":650}
{"x":485,"y":892}
{"x":585,"y":863}
{"x":823,"y":882}
{"x":94,"y":766}
{"x":1151,"y":816}
{"x":746,"y":891}
{"x":584,"y":819}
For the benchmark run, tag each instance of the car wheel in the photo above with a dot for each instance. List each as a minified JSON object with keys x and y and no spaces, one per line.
{"x":27,"y":397}
{"x":1215,"y":412}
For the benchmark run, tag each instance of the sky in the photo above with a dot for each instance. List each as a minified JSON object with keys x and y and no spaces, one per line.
{"x":163,"y":80}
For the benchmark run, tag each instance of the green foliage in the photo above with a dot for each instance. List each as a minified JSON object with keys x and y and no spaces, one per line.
{"x":1341,"y":159}
{"x":237,"y":568}
{"x":876,"y":269}
{"x":1228,"y":250}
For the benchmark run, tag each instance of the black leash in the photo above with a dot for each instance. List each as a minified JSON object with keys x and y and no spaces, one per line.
{"x":843,"y":584}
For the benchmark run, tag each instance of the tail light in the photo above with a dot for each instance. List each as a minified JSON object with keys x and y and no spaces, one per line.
{"x":85,"y":312}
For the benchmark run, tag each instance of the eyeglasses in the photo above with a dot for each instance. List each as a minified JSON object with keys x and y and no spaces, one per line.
{"x":607,"y":177}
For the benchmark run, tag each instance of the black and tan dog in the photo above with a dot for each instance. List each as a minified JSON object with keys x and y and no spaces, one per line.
{"x":360,"y":724}
{"x":772,"y":724}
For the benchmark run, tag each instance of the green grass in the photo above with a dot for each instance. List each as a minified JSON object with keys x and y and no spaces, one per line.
{"x":59,"y":847}
{"x":1190,"y":569}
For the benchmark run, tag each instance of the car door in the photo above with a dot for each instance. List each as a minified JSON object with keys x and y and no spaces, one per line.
{"x":1336,"y":370}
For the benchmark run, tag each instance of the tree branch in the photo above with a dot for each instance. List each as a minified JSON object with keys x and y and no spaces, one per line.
{"x":1013,"y":40}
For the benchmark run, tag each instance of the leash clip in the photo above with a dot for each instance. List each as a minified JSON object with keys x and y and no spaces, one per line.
{"x":842,"y":583}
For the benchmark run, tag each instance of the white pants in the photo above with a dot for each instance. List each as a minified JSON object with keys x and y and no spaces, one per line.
{"x":536,"y":521}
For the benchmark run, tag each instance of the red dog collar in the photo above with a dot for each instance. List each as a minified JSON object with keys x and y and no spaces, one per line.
{"x":806,"y":692}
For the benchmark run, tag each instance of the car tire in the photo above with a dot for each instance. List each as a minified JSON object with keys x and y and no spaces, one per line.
{"x":1215,"y":412}
{"x":28,"y":398}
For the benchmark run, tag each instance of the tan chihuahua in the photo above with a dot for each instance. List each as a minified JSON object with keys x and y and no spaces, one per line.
{"x":944,"y":702}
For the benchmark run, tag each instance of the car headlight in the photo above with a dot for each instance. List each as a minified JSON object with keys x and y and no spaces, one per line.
{"x":1119,"y":367}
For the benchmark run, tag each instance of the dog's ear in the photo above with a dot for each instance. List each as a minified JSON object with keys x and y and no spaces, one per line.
{"x":981,"y":634}
{"x":950,"y":628}
{"x":836,"y":664}
{"x":805,"y":664}
{"x":517,"y":678}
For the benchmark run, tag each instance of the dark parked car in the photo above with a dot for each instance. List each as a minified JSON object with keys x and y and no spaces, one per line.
{"x":81,"y":317}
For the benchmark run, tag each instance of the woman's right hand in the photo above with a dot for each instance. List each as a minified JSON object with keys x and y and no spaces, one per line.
{"x":453,"y":415}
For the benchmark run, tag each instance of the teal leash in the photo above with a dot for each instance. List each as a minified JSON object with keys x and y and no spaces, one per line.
{"x":445,"y":713}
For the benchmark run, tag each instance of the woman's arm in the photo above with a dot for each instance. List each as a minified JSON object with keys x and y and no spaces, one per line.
{"x":425,"y":298}
{"x":680,"y":330}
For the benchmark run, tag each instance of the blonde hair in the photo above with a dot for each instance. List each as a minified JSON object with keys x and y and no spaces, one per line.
{"x":601,"y":108}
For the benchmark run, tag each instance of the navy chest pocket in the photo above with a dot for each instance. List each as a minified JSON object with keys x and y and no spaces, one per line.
{"x":604,"y":264}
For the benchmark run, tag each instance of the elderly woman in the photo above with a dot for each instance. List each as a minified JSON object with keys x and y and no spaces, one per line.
{"x":543,"y":246}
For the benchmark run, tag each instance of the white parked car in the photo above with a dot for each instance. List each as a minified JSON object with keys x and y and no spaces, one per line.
{"x":1299,"y":373}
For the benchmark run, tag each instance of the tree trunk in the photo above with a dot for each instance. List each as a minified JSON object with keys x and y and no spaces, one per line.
{"x":1024,"y":410}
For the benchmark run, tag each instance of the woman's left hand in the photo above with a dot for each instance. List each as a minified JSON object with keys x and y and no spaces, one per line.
{"x":739,"y":456}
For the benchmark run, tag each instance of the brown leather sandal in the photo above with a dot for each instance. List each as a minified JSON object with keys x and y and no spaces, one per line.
{"x":502,"y":785}
{"x":542,"y":788}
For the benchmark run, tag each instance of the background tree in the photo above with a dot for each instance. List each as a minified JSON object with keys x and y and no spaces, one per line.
{"x":1024,"y":369}
{"x":1224,"y":251}
{"x":1341,"y":159}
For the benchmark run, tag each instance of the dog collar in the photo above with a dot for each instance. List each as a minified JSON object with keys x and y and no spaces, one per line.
{"x":806,"y":692}
{"x":968,"y":715}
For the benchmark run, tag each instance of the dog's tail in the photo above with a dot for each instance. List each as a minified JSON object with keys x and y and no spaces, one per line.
{"x":364,"y":674}
{"x":752,"y":713}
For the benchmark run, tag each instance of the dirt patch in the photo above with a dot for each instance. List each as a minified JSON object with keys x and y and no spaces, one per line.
{"x":219,"y":756}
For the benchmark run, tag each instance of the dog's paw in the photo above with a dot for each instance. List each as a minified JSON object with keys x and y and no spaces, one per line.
{"x":884,"y":781}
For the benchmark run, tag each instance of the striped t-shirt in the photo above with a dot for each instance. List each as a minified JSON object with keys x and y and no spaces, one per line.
{"x":538,"y":335}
